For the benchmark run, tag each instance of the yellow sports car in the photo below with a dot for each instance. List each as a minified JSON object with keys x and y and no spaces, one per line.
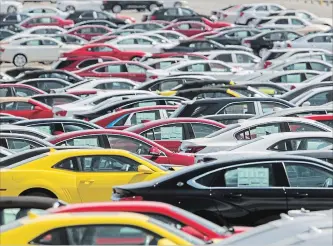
{"x":119,"y":228}
{"x":76,"y":175}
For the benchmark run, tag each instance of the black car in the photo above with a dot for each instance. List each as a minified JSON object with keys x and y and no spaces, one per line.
{"x":98,"y":22}
{"x":139,"y":5}
{"x":325,"y":155}
{"x":14,"y":18}
{"x":170,"y":14}
{"x":56,"y":99}
{"x":86,"y":15}
{"x":233,"y":37}
{"x":265,"y":40}
{"x":232,"y":105}
{"x":130,"y":102}
{"x":23,"y":204}
{"x":46,"y":84}
{"x":5,"y":34}
{"x":55,"y":126}
{"x":14,"y":72}
{"x":228,"y":119}
{"x":207,"y":92}
{"x":10,"y":119}
{"x":58,"y":74}
{"x":20,"y":142}
{"x":244,"y":190}
{"x":189,"y":46}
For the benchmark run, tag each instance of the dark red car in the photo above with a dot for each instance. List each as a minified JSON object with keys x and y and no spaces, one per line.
{"x":189,"y":28}
{"x":116,"y":139}
{"x":125,"y":118}
{"x":79,"y":62}
{"x":97,"y":50}
{"x":25,"y":107}
{"x":181,"y":219}
{"x":327,"y":119}
{"x":19,"y":90}
{"x":47,"y":21}
{"x":89,"y":31}
{"x":172,"y":131}
{"x":119,"y":69}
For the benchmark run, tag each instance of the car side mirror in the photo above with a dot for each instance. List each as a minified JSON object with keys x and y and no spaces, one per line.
{"x":306,"y":104}
{"x":144,"y":169}
{"x":154,"y":151}
{"x":38,"y":108}
{"x":165,"y":242}
{"x":190,"y":230}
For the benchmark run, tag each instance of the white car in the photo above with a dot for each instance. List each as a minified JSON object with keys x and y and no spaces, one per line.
{"x":171,"y":35}
{"x":303,"y":64}
{"x":36,"y":49}
{"x":316,"y":40}
{"x":217,"y":69}
{"x":314,"y":97}
{"x":73,"y":5}
{"x":47,"y":10}
{"x":248,"y":130}
{"x":10,"y":6}
{"x":139,"y":42}
{"x":254,"y":11}
{"x":77,"y":107}
{"x":105,"y":84}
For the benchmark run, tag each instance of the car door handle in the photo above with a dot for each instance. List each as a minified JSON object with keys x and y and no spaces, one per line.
{"x":301,"y":195}
{"x":234,"y":195}
{"x":86,"y":182}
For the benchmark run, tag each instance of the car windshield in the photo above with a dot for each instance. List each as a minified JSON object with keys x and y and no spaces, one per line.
{"x":230,"y":127}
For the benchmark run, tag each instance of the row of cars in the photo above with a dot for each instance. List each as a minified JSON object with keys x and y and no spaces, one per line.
{"x":196,"y":137}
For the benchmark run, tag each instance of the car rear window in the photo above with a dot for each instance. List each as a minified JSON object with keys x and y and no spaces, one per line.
{"x":63,"y":64}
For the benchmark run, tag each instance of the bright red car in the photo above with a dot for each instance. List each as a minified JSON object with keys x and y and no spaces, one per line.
{"x":170,"y":132}
{"x":125,"y":118}
{"x":97,"y":50}
{"x":89,"y":31}
{"x":116,"y":139}
{"x":180,"y":218}
{"x":327,"y":119}
{"x":189,"y":28}
{"x":19,"y":90}
{"x":47,"y":21}
{"x":119,"y":69}
{"x":25,"y":107}
{"x":215,"y":24}
{"x":79,"y":62}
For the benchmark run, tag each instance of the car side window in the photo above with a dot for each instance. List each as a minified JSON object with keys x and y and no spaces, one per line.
{"x":138,"y":117}
{"x":132,"y":68}
{"x":69,"y":164}
{"x":321,"y":98}
{"x":202,"y":130}
{"x":318,"y":39}
{"x":75,"y":127}
{"x":169,"y":132}
{"x":216,"y":67}
{"x":129,"y":144}
{"x":224,"y":57}
{"x":258,"y":131}
{"x":128,"y":41}
{"x":239,"y":108}
{"x":87,"y":63}
{"x":296,"y":66}
{"x":93,"y":141}
{"x":242,"y":58}
{"x":268,"y":107}
{"x":19,"y":145}
{"x":282,"y":22}
{"x":302,"y":127}
{"x":108,"y":164}
{"x":296,"y":22}
{"x":24,"y":92}
{"x":301,"y":144}
{"x":319,"y":67}
{"x":307,"y":175}
{"x":24,"y":106}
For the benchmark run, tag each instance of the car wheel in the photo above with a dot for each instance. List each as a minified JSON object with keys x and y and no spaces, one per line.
{"x":136,"y":58}
{"x":20,"y":60}
{"x":116,"y":9}
{"x":70,"y":8}
{"x":262,"y":52}
{"x":178,"y":4}
{"x":152,"y":7}
{"x":11,"y":9}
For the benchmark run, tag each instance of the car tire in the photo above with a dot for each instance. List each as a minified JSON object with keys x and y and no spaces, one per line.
{"x":116,"y":8}
{"x":70,"y":8}
{"x":11,"y":9}
{"x":152,"y":7}
{"x":40,"y":194}
{"x":136,"y":58}
{"x":178,"y":5}
{"x":20,"y":60}
{"x":262,"y":51}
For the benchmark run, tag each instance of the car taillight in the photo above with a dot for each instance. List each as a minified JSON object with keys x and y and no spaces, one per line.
{"x":61,"y":113}
{"x":241,"y":14}
{"x":194,"y":149}
{"x":153,"y":17}
{"x":292,"y":87}
{"x":153,"y":77}
{"x":289,"y":45}
{"x":267,"y":64}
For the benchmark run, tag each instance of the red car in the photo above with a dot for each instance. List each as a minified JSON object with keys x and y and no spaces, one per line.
{"x":326,"y":119}
{"x":25,"y":107}
{"x":79,"y":62}
{"x":119,"y":69}
{"x":125,"y":118}
{"x":83,"y":93}
{"x":89,"y":31}
{"x":47,"y":21}
{"x":98,"y":50}
{"x":170,"y":132}
{"x":19,"y":90}
{"x":115,"y":139}
{"x":182,"y":219}
{"x":203,"y":35}
{"x":189,"y":28}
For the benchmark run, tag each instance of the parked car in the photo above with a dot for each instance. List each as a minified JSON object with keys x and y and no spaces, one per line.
{"x":45,"y":20}
{"x":19,"y":90}
{"x":87,"y":32}
{"x":117,"y":6}
{"x":56,"y":99}
{"x":45,"y":84}
{"x":19,"y":142}
{"x":10,"y":6}
{"x":316,"y":97}
{"x":23,"y":130}
{"x":318,"y":40}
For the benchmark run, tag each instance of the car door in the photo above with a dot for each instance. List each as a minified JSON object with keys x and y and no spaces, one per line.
{"x":100,"y":173}
{"x":250,"y":193}
{"x":169,"y":136}
{"x":136,"y":72}
{"x":136,"y":146}
{"x":32,"y":50}
{"x":51,"y":48}
{"x":310,"y":186}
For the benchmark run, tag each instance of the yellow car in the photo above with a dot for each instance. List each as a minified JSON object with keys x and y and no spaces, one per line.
{"x":119,"y":228}
{"x":76,"y":175}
